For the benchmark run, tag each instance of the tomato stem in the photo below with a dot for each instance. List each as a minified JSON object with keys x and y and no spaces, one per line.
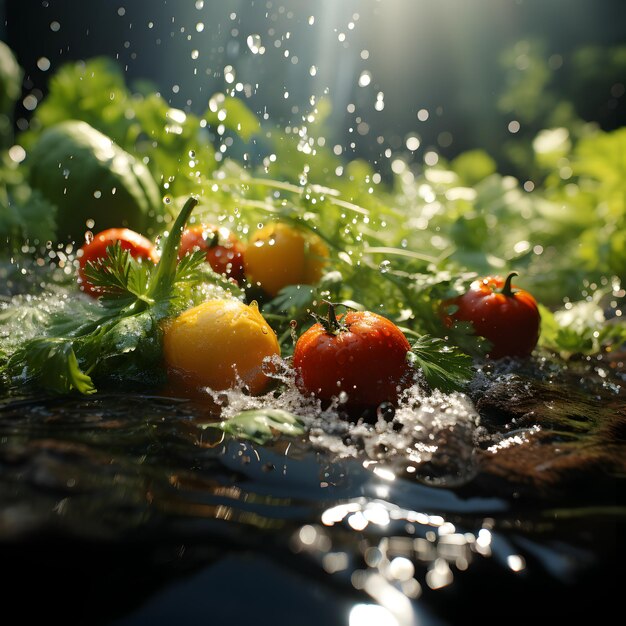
{"x":333,"y":322}
{"x":213,"y":240}
{"x":507,"y":289}
{"x":330,"y":323}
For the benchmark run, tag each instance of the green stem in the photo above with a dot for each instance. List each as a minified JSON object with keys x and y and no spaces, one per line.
{"x":507,"y":289}
{"x":330,"y":323}
{"x":166,"y":269}
{"x":286,"y":334}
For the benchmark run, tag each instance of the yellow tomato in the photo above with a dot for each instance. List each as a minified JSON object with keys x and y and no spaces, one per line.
{"x":220,"y":344}
{"x":279,"y":254}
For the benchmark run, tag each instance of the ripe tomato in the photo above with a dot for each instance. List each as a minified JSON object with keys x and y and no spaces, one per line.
{"x":224,"y":251}
{"x":505,"y":315}
{"x":139,"y":247}
{"x":279,"y":254}
{"x":220,"y":344}
{"x":362,"y":354}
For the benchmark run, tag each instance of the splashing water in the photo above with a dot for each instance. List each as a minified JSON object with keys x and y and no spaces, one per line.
{"x":430,"y":436}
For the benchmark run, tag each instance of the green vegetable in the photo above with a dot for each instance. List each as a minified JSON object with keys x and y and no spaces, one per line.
{"x":26,"y":217}
{"x":172,"y":143}
{"x":10,"y":90}
{"x":88,"y":177}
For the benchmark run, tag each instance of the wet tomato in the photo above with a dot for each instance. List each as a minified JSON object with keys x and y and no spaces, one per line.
{"x":224,"y":251}
{"x":362,"y":354}
{"x":500,"y":312}
{"x":140,"y":247}
{"x":279,"y":254}
{"x":219,"y":344}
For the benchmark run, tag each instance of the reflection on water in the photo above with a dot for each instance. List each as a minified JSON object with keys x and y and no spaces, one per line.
{"x":507,"y":493}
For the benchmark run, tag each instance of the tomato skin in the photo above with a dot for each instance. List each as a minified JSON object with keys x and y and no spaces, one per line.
{"x":367,"y":360}
{"x":510,"y":321}
{"x":219,"y":344}
{"x":140,"y":247}
{"x":279,"y":254}
{"x":224,"y":251}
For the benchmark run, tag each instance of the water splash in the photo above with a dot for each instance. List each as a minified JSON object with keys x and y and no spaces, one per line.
{"x":429,"y":436}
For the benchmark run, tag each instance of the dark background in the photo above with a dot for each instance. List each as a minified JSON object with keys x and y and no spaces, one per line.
{"x":446,"y":57}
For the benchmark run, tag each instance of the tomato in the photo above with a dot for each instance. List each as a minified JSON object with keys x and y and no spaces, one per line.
{"x":139,"y":247}
{"x":279,"y":254}
{"x":500,"y":312}
{"x":224,"y":251}
{"x":362,"y":354}
{"x":220,"y":344}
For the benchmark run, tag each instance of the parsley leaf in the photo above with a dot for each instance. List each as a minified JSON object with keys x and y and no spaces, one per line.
{"x":52,"y":363}
{"x":261,"y":425}
{"x":444,"y":367}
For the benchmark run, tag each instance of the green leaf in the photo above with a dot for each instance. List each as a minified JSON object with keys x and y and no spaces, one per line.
{"x":579,"y":329}
{"x":127,"y":334}
{"x":233,"y":114}
{"x":443,"y":366}
{"x":472,"y":166}
{"x":293,"y":297}
{"x":52,"y":363}
{"x":10,"y":90}
{"x":92,"y":91}
{"x":190,"y":267}
{"x":118,"y":274}
{"x":261,"y":425}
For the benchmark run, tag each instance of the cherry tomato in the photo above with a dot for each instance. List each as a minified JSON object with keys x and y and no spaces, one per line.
{"x":279,"y":254}
{"x":500,"y":312}
{"x":220,"y":344}
{"x":139,"y":247}
{"x":362,"y":354}
{"x":224,"y":251}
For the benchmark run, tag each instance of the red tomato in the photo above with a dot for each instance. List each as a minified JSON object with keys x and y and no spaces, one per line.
{"x":505,"y":315}
{"x":139,"y":247}
{"x":362,"y":354}
{"x":223,"y":250}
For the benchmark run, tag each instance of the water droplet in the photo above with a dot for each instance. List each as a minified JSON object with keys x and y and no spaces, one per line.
{"x":17,"y":154}
{"x":384,"y":266}
{"x":30,"y":102}
{"x":412,"y":142}
{"x":255,"y":44}
{"x":43,"y":64}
